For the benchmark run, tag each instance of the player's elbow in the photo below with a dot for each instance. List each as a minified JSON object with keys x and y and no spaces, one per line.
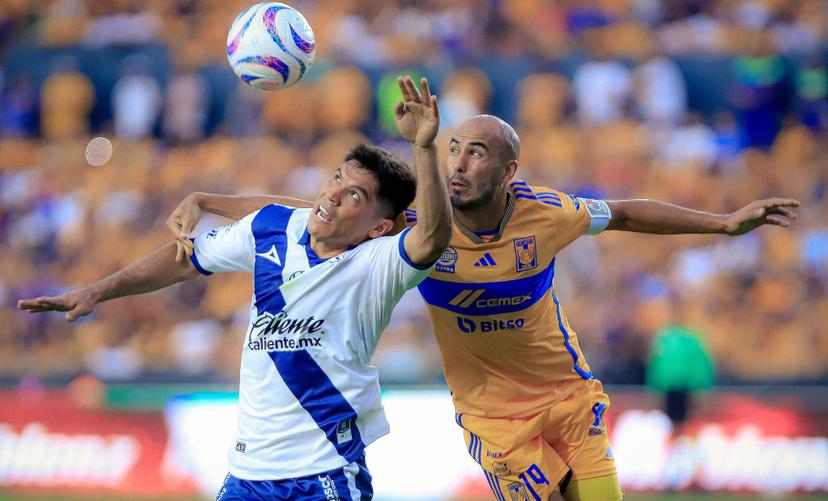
{"x":620,"y":216}
{"x":436,"y":240}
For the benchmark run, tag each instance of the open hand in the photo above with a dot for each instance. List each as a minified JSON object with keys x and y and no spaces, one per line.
{"x":417,"y":115}
{"x":182,"y":222}
{"x":768,"y":211}
{"x":76,"y":303}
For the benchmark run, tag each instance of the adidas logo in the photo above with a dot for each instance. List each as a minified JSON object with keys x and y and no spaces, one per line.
{"x":485,"y":261}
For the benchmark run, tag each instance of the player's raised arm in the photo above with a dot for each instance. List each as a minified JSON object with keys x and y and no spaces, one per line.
{"x":653,"y":216}
{"x":418,"y":120}
{"x":186,"y":216}
{"x":155,"y":271}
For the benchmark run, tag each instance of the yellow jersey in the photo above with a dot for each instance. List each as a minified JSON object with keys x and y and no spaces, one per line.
{"x":508,"y":349}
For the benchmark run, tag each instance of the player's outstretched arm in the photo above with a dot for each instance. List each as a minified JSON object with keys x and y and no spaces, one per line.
{"x":653,"y":216}
{"x":186,"y":216}
{"x":155,"y":271}
{"x":418,"y":120}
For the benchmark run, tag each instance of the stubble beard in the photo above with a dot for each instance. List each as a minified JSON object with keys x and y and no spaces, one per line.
{"x":486,"y":193}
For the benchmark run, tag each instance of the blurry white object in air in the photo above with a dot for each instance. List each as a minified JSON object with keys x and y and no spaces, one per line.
{"x":98,"y":151}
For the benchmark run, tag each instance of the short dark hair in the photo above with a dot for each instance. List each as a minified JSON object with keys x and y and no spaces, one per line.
{"x":396,"y":181}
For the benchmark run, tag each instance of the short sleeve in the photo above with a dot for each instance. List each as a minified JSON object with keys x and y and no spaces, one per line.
{"x":599,"y":214}
{"x":226,"y":248}
{"x":391,"y":271}
{"x":589,"y":216}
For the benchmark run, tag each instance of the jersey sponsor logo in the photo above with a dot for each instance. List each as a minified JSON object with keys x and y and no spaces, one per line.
{"x":526,"y":254}
{"x":447,"y":261}
{"x":295,"y":274}
{"x":268,"y":332}
{"x":241,"y":447}
{"x":470,"y":326}
{"x":328,"y":487}
{"x":485,"y":262}
{"x":469,"y":297}
{"x":517,"y":491}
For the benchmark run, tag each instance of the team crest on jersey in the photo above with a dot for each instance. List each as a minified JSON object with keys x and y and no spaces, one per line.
{"x":518,"y":491}
{"x":526,"y":253}
{"x":447,"y":261}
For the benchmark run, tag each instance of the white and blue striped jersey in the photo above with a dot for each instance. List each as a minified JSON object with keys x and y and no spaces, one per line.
{"x":309,"y":400}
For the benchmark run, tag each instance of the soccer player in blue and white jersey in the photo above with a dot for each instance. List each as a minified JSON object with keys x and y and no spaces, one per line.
{"x":326,"y":279}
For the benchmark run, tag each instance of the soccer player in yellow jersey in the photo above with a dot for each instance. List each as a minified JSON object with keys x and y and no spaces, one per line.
{"x":531,"y":410}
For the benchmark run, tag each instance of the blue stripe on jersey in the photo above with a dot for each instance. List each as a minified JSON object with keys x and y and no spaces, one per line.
{"x":300,"y":372}
{"x":320,"y":398}
{"x":575,"y":200}
{"x":553,"y":196}
{"x":581,"y":372}
{"x":454,"y":296}
{"x":459,"y":418}
{"x":550,"y":202}
{"x":528,"y":197}
{"x":313,"y":259}
{"x":269,"y":228}
{"x":495,"y":483}
{"x":521,"y":189}
{"x":491,"y":484}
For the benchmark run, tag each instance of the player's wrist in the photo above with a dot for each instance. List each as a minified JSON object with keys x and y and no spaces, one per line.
{"x":95,"y":291}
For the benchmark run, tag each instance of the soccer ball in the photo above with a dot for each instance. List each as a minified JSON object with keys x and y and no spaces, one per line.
{"x":270,"y":46}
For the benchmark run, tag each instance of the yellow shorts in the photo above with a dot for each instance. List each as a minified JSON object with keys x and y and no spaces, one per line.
{"x":527,"y":458}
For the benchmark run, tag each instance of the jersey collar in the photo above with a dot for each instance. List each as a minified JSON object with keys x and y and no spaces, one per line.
{"x":510,"y":207}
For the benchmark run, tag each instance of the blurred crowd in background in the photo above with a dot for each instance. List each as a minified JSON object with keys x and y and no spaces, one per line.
{"x":709,"y":104}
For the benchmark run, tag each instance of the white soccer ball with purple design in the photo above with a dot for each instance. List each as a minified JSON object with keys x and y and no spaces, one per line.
{"x":270,"y":45}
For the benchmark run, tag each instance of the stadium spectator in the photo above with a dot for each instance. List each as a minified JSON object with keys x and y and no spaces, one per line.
{"x":136,"y":99}
{"x":185,"y":108}
{"x":66,"y":100}
{"x":601,"y":86}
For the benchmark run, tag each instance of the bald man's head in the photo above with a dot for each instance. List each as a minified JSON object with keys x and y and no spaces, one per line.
{"x":497,"y":127}
{"x":482,"y":159}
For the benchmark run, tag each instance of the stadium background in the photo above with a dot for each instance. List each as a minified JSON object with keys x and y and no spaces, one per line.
{"x":706,"y":103}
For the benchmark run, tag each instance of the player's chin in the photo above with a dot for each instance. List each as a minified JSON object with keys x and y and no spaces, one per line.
{"x":316,"y":228}
{"x":460,"y":200}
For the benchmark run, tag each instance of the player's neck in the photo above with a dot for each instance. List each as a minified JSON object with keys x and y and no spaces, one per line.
{"x":325,"y":249}
{"x":485,"y":217}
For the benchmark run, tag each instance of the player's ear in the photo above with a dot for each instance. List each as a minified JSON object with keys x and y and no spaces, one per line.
{"x":383,"y":227}
{"x":509,"y":171}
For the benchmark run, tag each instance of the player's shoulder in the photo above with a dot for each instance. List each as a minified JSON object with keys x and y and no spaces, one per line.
{"x":541,"y":197}
{"x":275,"y":218}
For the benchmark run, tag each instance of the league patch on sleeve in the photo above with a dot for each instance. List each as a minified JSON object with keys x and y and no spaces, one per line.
{"x":599,"y":213}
